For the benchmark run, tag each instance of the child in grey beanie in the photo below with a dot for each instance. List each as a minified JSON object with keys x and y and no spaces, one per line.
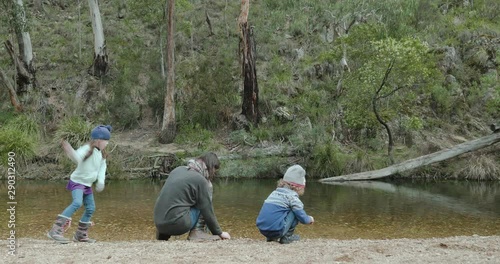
{"x":283,"y":210}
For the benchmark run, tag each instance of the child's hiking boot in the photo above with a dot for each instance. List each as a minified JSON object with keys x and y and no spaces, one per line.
{"x":81,"y":234}
{"x":276,"y":239}
{"x":60,"y":226}
{"x":287,"y":239}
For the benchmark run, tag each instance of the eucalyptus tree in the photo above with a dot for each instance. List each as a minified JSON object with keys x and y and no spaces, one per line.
{"x":391,"y":80}
{"x":168,"y":128}
{"x":100,"y":65}
{"x":24,"y":62}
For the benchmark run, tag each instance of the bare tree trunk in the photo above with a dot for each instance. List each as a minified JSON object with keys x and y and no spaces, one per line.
{"x":247,"y":53}
{"x":25,"y":66}
{"x":420,"y":161}
{"x":168,"y":129}
{"x":100,"y":64}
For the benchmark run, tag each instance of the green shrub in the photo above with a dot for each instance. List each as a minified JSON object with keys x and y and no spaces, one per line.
{"x":26,"y":124}
{"x":20,"y":135}
{"x":73,"y":129}
{"x":197,"y":136}
{"x":22,"y":144}
{"x":242,"y":137}
{"x":252,"y":168}
{"x":327,"y":161}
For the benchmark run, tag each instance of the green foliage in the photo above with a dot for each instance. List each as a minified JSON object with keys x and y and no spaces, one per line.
{"x":484,"y":97}
{"x":327,"y":161}
{"x":73,"y":129}
{"x":208,"y":73}
{"x":21,"y":136}
{"x":251,"y":168}
{"x":242,"y":137}
{"x":18,"y":142}
{"x":123,"y":110}
{"x":441,"y":101}
{"x":208,"y":95}
{"x":196,"y":135}
{"x":156,"y":98}
{"x":413,"y":123}
{"x":409,"y":75}
{"x":27,"y":124}
{"x":154,"y":12}
{"x":6,"y":116}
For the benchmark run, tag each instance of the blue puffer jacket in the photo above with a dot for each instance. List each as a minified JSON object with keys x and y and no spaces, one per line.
{"x":277,"y":206}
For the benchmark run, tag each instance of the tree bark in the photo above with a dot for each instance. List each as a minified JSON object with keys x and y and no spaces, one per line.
{"x":209,"y":23}
{"x":12,"y":93}
{"x":420,"y":161}
{"x":168,"y":129}
{"x":247,"y":53}
{"x":100,"y":64}
{"x":25,"y":66}
{"x":375,"y":99}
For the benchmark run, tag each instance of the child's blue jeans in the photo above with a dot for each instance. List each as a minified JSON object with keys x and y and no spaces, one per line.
{"x":290,"y":223}
{"x":79,"y":199}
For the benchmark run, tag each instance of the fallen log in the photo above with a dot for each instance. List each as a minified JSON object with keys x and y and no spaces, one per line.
{"x":441,"y":155}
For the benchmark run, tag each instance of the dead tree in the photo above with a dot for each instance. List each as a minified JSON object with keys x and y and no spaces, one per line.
{"x":247,"y":55}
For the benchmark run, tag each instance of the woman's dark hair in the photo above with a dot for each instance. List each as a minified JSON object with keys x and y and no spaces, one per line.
{"x":212,"y":162}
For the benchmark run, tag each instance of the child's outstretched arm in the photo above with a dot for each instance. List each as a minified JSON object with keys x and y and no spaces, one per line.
{"x":298,"y":209}
{"x":70,"y":151}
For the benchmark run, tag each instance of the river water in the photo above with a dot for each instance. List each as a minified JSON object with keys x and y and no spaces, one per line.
{"x":371,"y":210}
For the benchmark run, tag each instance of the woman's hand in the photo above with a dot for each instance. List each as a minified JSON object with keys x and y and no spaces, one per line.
{"x":225,"y":235}
{"x":312,"y":220}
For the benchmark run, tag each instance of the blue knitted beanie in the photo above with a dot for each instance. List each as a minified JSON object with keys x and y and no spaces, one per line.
{"x":101,"y":132}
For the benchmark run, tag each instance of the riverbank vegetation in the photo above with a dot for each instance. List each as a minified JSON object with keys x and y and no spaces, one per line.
{"x":343,"y":86}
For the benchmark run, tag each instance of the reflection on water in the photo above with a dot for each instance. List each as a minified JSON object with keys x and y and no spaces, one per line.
{"x":373,"y":210}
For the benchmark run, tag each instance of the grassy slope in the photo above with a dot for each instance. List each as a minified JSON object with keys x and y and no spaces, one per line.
{"x":132,"y":94}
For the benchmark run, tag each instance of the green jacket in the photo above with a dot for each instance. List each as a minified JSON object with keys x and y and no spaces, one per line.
{"x":182,"y":190}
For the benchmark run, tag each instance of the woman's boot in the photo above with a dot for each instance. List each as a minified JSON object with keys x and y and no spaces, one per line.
{"x":198,"y":233}
{"x":81,"y":234}
{"x":60,"y":226}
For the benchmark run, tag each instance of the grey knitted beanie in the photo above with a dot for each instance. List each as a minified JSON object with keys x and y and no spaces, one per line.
{"x":295,"y":175}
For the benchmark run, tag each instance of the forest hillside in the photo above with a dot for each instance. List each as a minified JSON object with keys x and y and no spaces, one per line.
{"x":343,"y":86}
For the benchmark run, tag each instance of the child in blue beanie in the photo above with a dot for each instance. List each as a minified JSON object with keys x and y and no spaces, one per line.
{"x":91,"y":166}
{"x":282,"y":210}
